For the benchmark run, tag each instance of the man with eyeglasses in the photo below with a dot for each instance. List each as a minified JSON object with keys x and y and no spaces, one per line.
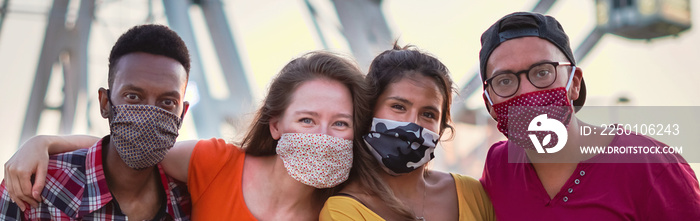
{"x":531,"y":81}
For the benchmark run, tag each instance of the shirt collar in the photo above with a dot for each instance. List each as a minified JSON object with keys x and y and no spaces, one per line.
{"x":96,"y":183}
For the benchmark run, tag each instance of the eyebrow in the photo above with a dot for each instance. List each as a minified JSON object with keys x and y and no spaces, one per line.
{"x":133,"y":88}
{"x":400,"y":99}
{"x":404,"y":100}
{"x":171,"y":93}
{"x":306,"y":112}
{"x":141,"y":90}
{"x":511,"y":71}
{"x":315,"y":114}
{"x":341,"y":115}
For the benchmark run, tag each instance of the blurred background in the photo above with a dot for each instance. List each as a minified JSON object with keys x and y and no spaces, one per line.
{"x":54,"y":55}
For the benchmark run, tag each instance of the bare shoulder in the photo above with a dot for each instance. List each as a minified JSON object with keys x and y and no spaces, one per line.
{"x":442,"y":196}
{"x":440,"y":178}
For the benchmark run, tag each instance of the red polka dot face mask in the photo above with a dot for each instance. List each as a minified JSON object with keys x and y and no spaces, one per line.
{"x":317,"y":160}
{"x":515,"y":115}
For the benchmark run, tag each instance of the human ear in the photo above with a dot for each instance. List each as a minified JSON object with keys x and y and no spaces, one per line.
{"x":274,"y":128}
{"x":105,"y":107}
{"x":575,"y":89}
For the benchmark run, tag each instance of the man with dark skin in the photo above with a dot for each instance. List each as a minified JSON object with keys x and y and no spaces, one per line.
{"x":141,"y":78}
{"x":148,"y":74}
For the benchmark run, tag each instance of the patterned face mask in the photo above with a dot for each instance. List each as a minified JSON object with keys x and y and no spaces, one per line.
{"x":317,"y":160}
{"x":514,"y":122}
{"x":400,"y":147}
{"x":143,"y":134}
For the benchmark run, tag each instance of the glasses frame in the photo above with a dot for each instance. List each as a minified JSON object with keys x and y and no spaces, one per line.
{"x":487,"y":82}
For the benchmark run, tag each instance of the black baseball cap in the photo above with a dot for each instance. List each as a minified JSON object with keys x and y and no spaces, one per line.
{"x":533,"y":24}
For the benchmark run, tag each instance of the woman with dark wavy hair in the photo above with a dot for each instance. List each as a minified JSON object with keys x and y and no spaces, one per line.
{"x":411,"y":97}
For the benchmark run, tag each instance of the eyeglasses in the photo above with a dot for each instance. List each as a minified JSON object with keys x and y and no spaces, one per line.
{"x":540,"y":75}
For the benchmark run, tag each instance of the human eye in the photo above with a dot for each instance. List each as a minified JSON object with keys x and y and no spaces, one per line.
{"x":132,"y":97}
{"x":504,"y":80}
{"x":398,"y":107}
{"x":542,"y":71}
{"x":306,"y":120}
{"x":341,"y":124}
{"x":169,"y":103}
{"x":429,"y":114}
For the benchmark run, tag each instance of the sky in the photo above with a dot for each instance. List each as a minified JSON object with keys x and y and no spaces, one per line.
{"x":269,"y":33}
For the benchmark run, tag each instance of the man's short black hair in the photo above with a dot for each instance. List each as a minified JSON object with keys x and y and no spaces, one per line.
{"x":153,"y":39}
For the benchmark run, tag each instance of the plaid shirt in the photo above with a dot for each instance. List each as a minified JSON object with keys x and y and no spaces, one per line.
{"x":76,"y":189}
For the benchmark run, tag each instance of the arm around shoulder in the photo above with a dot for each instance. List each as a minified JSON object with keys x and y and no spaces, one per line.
{"x":177,"y":161}
{"x":207,"y":158}
{"x":32,"y":158}
{"x":66,"y":143}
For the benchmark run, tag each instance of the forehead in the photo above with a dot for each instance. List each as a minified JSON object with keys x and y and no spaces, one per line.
{"x":150,"y":71}
{"x":415,"y":85}
{"x":322,"y":95}
{"x":520,"y":53}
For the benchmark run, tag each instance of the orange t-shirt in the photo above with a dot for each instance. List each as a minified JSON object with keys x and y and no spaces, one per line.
{"x":214,"y":181}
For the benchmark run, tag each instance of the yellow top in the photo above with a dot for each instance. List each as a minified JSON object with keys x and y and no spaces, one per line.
{"x":474,"y":204}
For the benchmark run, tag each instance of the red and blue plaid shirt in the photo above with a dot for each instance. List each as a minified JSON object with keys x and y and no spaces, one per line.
{"x":76,"y":189}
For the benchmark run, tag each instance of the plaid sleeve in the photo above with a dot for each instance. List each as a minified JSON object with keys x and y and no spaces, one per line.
{"x":8,"y":209}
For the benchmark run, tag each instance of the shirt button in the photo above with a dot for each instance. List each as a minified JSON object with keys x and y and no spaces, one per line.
{"x":566,"y":198}
{"x":577,"y":181}
{"x":582,"y":173}
{"x":571,"y":190}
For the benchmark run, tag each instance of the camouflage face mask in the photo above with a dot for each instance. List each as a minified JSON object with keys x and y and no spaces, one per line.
{"x":400,"y":147}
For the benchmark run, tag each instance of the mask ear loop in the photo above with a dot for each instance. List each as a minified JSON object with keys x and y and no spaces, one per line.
{"x":182,"y":119}
{"x":568,"y":85}
{"x":571,"y":77}
{"x":109,"y":100}
{"x":488,"y":97}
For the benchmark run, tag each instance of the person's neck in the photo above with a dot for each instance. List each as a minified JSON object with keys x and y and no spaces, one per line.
{"x":405,"y":186}
{"x":123,"y":181}
{"x":281,"y":192}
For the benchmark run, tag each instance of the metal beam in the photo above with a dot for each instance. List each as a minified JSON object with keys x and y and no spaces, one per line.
{"x":314,"y":20}
{"x":206,"y":123}
{"x":364,"y":27}
{"x":75,"y":74}
{"x":460,"y":112}
{"x":210,"y":113}
{"x":588,"y":43}
{"x":3,"y":12}
{"x":543,"y":6}
{"x":72,"y":43}
{"x":240,"y":98}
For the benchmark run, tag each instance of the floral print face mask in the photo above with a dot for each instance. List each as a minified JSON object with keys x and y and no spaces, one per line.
{"x":317,"y":160}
